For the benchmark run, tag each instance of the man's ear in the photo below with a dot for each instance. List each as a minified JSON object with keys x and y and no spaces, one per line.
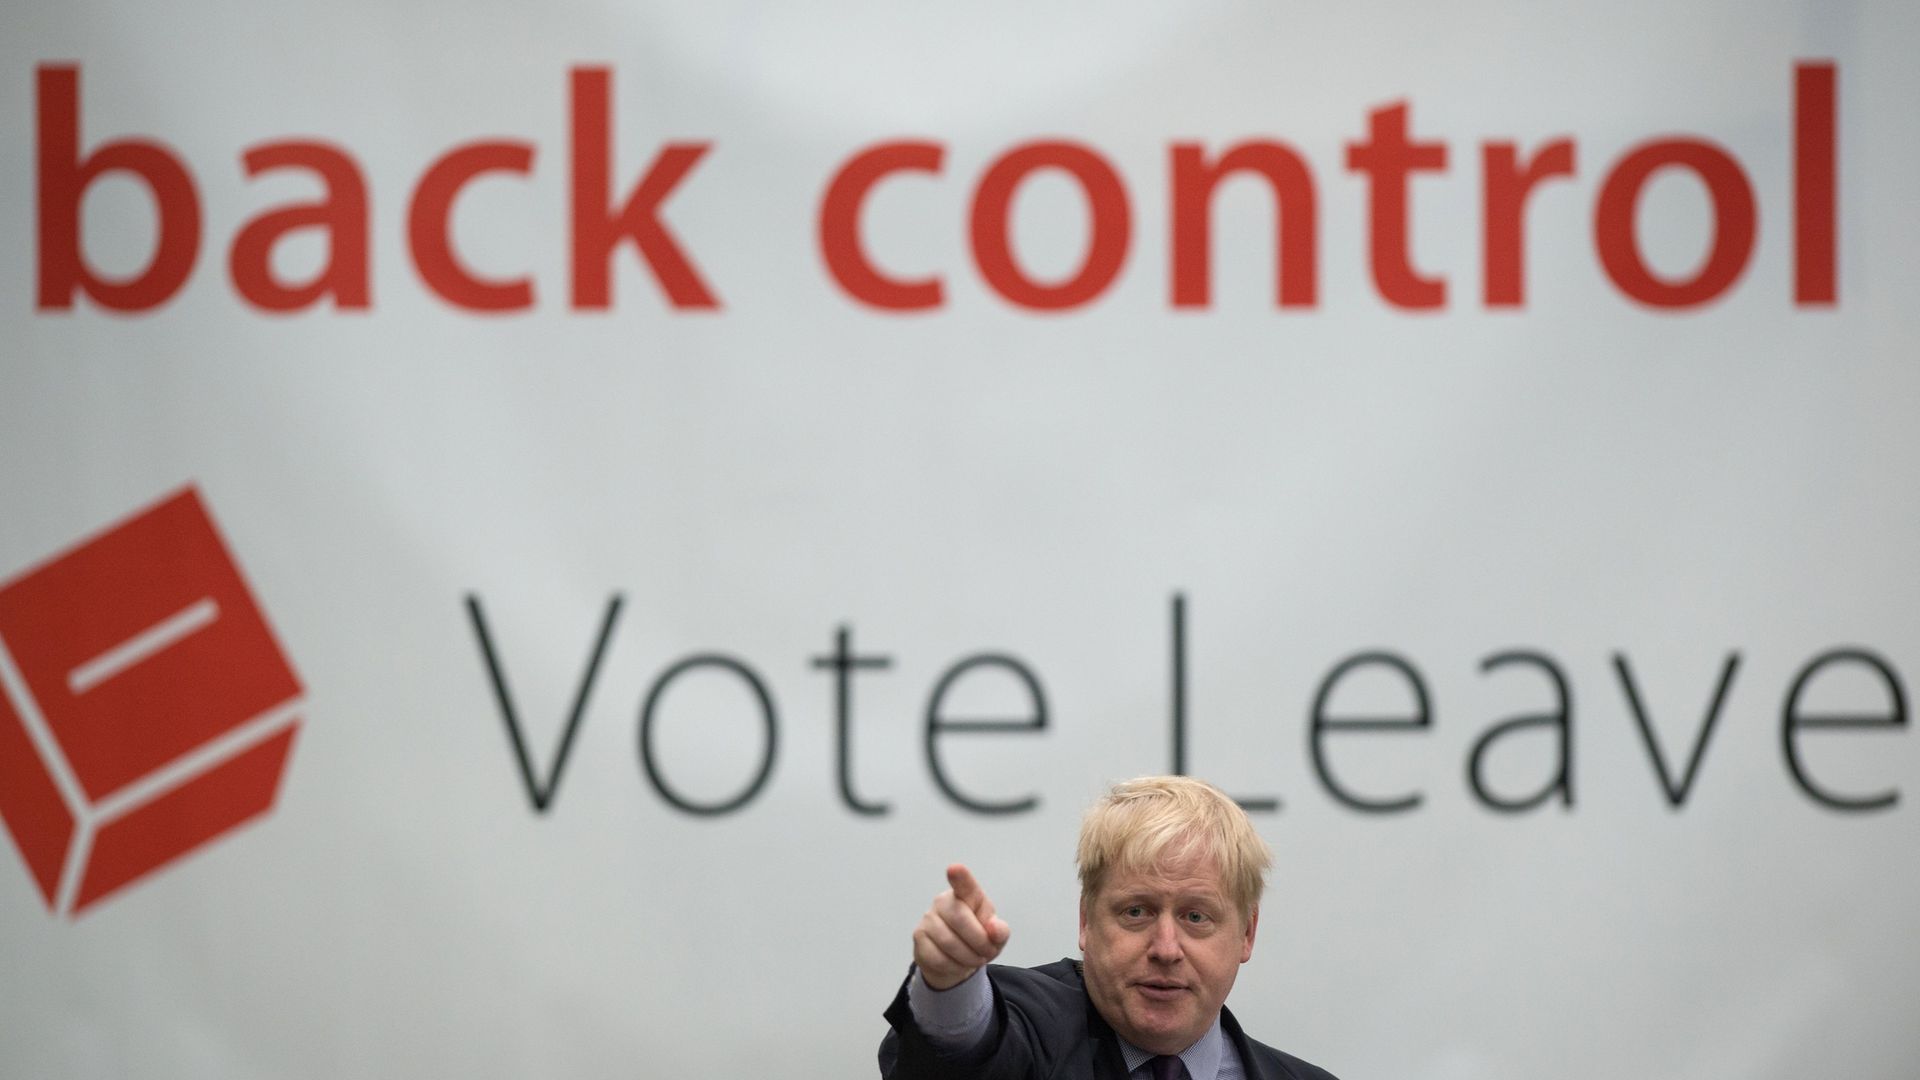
{"x":1253,"y":923}
{"x":1083,"y":924}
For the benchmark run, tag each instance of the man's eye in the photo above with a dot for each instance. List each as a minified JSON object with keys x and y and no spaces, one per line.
{"x":1196,"y":917}
{"x":1135,"y":912}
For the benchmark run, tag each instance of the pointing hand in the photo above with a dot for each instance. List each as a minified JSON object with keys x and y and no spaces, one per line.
{"x":959,"y":934}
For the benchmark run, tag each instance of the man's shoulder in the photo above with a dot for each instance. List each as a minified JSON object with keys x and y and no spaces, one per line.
{"x":1056,"y":992}
{"x":1271,"y":1062}
{"x":1060,"y":977}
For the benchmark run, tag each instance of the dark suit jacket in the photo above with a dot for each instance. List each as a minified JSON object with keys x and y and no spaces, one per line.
{"x":1049,"y":1030}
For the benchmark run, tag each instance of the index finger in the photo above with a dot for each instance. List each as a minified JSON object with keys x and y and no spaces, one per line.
{"x":965,"y":888}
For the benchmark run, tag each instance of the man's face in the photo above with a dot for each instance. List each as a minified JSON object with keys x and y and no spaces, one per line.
{"x":1162,"y":947}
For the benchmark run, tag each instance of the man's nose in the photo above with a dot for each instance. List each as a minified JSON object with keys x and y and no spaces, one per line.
{"x":1164,"y":946}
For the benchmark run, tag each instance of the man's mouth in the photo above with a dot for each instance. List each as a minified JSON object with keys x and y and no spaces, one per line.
{"x":1158,"y":990}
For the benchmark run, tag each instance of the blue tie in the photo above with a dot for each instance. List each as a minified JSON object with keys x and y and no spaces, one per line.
{"x":1166,"y":1067}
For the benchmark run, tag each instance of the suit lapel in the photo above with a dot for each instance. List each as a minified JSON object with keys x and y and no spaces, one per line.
{"x":1104,"y":1046}
{"x":1108,"y":1062}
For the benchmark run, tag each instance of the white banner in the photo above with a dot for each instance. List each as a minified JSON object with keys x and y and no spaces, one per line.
{"x":530,"y":536}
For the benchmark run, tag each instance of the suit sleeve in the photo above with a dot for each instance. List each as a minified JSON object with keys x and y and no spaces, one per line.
{"x":1006,"y":1053}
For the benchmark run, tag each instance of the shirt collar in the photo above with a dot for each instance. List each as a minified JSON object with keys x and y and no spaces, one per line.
{"x":1202,"y":1059}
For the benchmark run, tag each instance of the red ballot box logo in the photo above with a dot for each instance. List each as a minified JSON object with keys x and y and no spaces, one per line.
{"x":147,"y":709}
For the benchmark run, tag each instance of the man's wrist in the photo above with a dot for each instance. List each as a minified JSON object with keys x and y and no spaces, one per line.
{"x":956,"y":1018}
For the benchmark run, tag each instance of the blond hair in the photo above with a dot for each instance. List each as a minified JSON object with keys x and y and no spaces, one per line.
{"x":1144,"y":822}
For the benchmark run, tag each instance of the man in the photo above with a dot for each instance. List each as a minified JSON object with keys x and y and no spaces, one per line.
{"x":1171,"y":873}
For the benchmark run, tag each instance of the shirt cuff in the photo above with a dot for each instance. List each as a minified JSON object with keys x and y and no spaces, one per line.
{"x":954,"y":1019}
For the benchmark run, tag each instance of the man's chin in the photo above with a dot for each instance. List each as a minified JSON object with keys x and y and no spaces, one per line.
{"x":1161,"y":1027}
